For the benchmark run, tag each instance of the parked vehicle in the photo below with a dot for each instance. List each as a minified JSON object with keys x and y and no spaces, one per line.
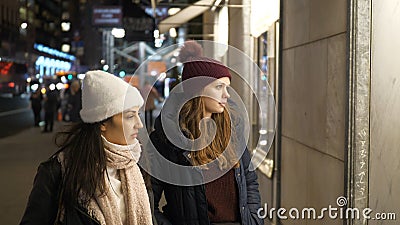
{"x":13,"y":77}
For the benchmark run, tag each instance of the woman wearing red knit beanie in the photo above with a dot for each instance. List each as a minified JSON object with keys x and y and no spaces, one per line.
{"x":228,"y":193}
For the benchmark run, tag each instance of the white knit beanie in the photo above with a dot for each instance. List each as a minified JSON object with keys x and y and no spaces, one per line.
{"x":105,"y":95}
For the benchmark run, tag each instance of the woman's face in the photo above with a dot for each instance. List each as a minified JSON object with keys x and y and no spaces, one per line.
{"x":215,"y":96}
{"x":123,"y":128}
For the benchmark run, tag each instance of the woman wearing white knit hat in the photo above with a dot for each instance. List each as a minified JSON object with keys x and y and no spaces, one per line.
{"x":94,"y":177}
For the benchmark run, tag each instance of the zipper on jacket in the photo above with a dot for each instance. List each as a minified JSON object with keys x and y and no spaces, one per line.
{"x":238,"y":177}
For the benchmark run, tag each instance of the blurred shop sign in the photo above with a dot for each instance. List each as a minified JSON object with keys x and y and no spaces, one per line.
{"x":138,"y":25}
{"x":53,"y":52}
{"x":263,"y":14}
{"x":107,"y":16}
{"x":183,"y":16}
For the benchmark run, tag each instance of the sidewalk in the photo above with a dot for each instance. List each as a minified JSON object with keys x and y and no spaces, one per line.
{"x":20,"y":156}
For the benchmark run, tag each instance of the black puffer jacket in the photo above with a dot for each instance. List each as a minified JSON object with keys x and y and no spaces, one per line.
{"x":43,"y":201}
{"x":187,"y":205}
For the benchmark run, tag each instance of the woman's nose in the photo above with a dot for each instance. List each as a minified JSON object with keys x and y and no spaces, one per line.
{"x":138,"y":123}
{"x":226,"y":93}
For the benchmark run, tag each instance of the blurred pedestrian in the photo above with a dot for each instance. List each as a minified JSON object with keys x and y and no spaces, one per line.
{"x":150,"y":94}
{"x":51,"y":104}
{"x":223,"y":188}
{"x":94,"y":177}
{"x":74,"y":102}
{"x":36,"y":105}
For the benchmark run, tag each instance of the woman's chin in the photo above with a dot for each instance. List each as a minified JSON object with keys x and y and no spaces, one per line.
{"x":221,"y":110}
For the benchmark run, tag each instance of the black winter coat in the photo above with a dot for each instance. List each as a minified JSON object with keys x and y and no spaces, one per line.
{"x":43,"y":201}
{"x":187,"y":205}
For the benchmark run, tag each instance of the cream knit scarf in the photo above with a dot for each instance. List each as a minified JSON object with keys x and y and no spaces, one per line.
{"x":105,"y":207}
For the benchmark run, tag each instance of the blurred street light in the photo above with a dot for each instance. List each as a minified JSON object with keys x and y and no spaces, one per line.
{"x":173,"y":11}
{"x":24,"y":25}
{"x":65,"y":47}
{"x":172,"y":32}
{"x":118,"y":32}
{"x":65,"y":26}
{"x":156,"y":33}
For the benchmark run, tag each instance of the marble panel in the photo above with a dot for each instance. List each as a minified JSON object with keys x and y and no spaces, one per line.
{"x":326,"y":185}
{"x":336,"y":97}
{"x":289,"y":99}
{"x":327,"y":18}
{"x":304,"y":113}
{"x":294,"y":185}
{"x":310,"y":179}
{"x":295,"y":23}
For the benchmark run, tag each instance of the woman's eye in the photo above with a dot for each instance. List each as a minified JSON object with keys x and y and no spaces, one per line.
{"x":130,"y":116}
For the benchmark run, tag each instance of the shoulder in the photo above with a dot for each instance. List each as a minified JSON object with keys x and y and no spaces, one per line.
{"x":51,"y":168}
{"x":162,"y":144}
{"x":47,"y":180}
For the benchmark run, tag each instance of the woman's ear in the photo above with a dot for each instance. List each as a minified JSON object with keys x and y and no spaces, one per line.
{"x":103,"y":127}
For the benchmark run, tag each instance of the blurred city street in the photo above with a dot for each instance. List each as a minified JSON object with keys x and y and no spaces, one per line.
{"x":20,"y":156}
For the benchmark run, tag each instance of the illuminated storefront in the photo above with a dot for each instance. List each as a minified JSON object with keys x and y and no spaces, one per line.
{"x":48,"y":66}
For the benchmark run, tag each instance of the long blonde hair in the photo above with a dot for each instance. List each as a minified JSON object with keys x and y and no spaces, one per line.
{"x":190,"y":115}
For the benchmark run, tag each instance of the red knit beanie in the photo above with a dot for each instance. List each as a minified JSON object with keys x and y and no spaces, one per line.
{"x":196,"y":65}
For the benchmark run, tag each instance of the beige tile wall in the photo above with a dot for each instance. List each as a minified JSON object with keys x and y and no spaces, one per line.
{"x":305,"y":95}
{"x":296,"y":22}
{"x":327,"y":18}
{"x":336,"y":97}
{"x":306,"y":183}
{"x":311,"y":20}
{"x":313,"y":104}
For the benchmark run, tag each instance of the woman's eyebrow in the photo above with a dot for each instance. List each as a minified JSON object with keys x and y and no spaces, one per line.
{"x":132,"y":111}
{"x":224,"y":83}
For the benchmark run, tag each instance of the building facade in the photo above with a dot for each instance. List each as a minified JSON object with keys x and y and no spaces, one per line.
{"x":335,"y":86}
